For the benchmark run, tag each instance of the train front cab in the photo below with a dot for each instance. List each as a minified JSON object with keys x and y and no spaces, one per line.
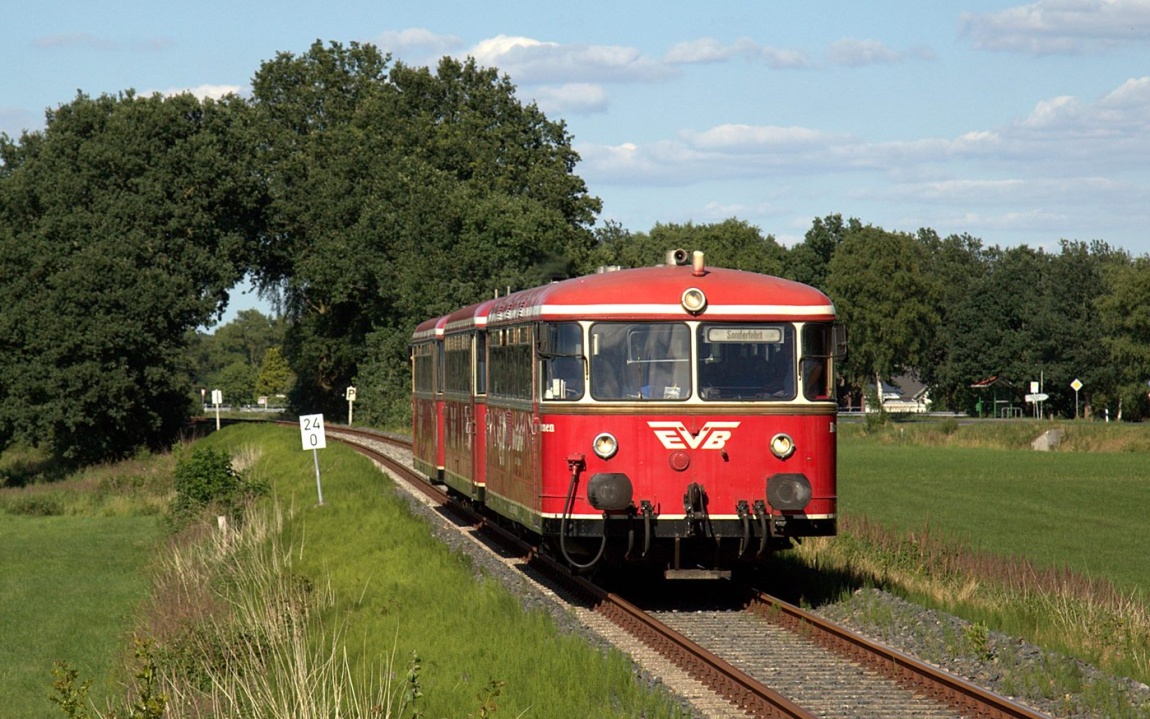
{"x":427,"y":398}
{"x":692,"y":445}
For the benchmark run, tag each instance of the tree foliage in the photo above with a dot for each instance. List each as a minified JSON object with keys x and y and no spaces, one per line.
{"x":396,"y":195}
{"x":369,"y":195}
{"x":879,"y":285}
{"x":125,"y":222}
{"x":732,"y":243}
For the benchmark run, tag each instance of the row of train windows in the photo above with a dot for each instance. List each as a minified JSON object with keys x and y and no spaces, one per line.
{"x":640,"y":361}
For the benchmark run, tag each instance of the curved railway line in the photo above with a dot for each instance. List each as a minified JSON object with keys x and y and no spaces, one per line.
{"x":771,"y":660}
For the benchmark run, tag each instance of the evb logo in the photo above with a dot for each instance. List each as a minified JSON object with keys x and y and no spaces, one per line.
{"x":674,"y":435}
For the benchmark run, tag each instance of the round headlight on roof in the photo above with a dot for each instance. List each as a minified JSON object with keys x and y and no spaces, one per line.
{"x":693,"y":300}
{"x":605,"y":445}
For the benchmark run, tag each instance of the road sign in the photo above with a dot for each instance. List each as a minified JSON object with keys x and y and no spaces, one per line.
{"x":1039,"y":397}
{"x":311,"y":430}
{"x":1076,"y":385}
{"x":351,"y":394}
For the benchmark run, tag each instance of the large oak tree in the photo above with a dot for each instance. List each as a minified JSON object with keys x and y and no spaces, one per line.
{"x":122,"y":226}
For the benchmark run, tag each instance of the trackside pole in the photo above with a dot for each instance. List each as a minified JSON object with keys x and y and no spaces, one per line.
{"x":318,"y":486}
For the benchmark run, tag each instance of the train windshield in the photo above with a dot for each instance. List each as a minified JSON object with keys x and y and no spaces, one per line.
{"x":640,"y":361}
{"x":746,"y":362}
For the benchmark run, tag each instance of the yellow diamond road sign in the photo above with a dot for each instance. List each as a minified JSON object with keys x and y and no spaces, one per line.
{"x":1076,"y":385}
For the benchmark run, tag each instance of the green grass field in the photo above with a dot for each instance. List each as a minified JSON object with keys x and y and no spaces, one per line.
{"x":69,"y":588}
{"x":72,"y":585}
{"x":396,"y":593}
{"x":1082,"y":510}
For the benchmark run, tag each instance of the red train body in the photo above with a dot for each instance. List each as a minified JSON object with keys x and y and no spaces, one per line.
{"x":678,"y":416}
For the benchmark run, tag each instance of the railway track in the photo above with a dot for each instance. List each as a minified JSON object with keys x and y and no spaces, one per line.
{"x":771,"y":660}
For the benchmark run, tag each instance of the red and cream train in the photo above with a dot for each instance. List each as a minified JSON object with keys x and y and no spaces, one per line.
{"x":678,"y":416}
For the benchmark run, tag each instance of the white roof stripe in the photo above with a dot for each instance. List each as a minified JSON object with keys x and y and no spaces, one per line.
{"x":591,"y":311}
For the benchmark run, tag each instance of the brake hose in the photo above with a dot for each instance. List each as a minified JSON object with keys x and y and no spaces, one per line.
{"x":568,"y":507}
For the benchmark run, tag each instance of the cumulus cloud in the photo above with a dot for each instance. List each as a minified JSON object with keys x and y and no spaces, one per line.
{"x":855,"y":53}
{"x":1060,"y":26}
{"x":530,"y":61}
{"x":206,"y":92}
{"x":417,"y":42}
{"x":573,"y":98}
{"x":1061,"y":137}
{"x":709,"y":50}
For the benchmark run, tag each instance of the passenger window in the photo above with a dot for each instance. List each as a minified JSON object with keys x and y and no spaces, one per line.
{"x":562,"y":362}
{"x":746,"y":362}
{"x":816,"y":362}
{"x":640,"y":361}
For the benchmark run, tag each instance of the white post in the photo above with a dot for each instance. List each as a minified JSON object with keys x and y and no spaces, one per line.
{"x":318,"y":486}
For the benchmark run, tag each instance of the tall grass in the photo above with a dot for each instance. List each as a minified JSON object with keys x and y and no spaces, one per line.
{"x":254,"y":649}
{"x":350,"y":609}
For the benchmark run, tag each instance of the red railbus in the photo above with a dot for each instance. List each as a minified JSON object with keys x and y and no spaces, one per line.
{"x":678,"y":416}
{"x":427,"y":398}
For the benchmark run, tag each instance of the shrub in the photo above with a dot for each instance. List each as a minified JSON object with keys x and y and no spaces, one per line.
{"x":39,"y":505}
{"x":206,"y":477}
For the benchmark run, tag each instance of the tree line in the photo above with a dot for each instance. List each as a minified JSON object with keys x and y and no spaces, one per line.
{"x":364,"y":195}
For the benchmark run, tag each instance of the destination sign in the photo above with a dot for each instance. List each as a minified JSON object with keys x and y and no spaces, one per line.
{"x":744,"y":334}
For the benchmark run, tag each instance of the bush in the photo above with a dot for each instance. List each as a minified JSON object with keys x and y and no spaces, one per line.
{"x":41,"y":505}
{"x":206,"y":477}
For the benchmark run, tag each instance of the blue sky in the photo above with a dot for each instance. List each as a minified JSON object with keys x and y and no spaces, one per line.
{"x":1015,"y":123}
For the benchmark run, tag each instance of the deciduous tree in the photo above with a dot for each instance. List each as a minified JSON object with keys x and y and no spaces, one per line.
{"x":124,"y":223}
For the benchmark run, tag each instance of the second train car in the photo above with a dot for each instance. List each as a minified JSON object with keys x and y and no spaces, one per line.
{"x":680,"y":417}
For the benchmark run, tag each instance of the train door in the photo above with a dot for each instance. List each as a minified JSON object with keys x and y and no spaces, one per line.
{"x":476,"y":430}
{"x":458,"y":412}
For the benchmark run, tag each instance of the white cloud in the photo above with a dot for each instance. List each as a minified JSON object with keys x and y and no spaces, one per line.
{"x":417,"y":42}
{"x":1063,"y":137}
{"x":529,"y":61}
{"x":856,"y":53}
{"x":1060,"y":26}
{"x":203,"y":92}
{"x":703,"y":50}
{"x":573,"y":98}
{"x":709,"y":50}
{"x":740,"y":139}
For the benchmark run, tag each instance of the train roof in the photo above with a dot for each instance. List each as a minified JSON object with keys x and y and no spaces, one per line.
{"x":657,"y":293}
{"x":468,"y":317}
{"x":429,"y":329}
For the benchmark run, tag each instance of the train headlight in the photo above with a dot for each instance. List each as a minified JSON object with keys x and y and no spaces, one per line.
{"x":788,"y":491}
{"x":693,"y":300}
{"x":605,"y":445}
{"x":782,"y":446}
{"x":609,"y":491}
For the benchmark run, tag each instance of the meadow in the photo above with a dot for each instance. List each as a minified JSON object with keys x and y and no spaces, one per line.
{"x":1078,"y":510}
{"x":1048,"y":546}
{"x":347,"y":608}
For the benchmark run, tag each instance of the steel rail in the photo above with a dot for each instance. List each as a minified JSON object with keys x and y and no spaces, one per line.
{"x":727,"y":681}
{"x":741,"y":690}
{"x":917,"y":676}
